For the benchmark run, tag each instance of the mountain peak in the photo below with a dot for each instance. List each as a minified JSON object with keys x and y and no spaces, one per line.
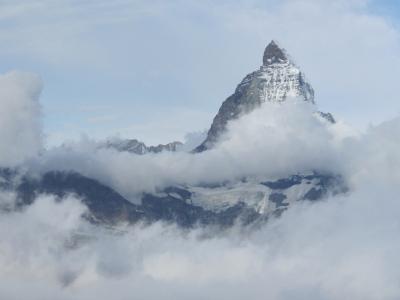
{"x":274,"y":54}
{"x":277,"y":80}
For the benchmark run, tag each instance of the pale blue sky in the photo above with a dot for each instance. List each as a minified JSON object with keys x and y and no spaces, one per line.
{"x":154,"y":70}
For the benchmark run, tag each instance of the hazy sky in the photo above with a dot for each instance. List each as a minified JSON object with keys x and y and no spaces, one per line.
{"x":155,"y":70}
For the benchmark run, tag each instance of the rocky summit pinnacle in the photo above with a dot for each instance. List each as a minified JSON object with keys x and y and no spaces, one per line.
{"x":274,"y":54}
{"x":277,"y":80}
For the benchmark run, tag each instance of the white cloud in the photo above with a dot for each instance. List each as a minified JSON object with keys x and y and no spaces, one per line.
{"x":20,"y":117}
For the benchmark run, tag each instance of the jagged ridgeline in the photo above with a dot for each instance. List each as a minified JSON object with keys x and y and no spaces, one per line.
{"x":138,"y":147}
{"x":245,"y":201}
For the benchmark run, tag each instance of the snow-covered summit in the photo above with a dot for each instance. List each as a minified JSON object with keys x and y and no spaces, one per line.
{"x":277,"y":80}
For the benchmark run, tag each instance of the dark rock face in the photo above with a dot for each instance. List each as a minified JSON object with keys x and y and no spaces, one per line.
{"x":274,"y":54}
{"x":167,"y":147}
{"x":320,"y":185}
{"x":276,"y":80}
{"x":278,"y":199}
{"x":6,"y":177}
{"x":327,"y":116}
{"x":285,"y":183}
